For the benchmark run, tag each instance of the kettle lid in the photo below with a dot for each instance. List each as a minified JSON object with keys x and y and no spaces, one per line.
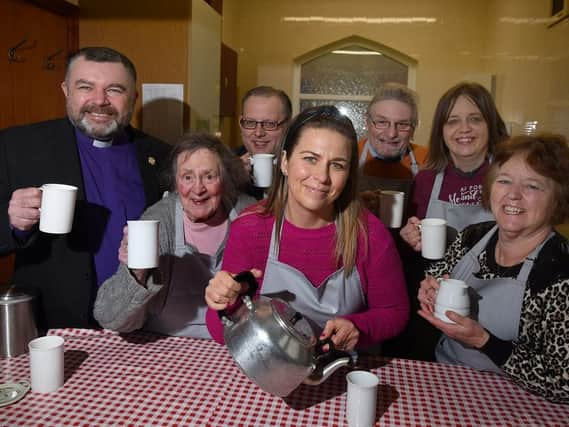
{"x":12,"y":295}
{"x":294,"y":322}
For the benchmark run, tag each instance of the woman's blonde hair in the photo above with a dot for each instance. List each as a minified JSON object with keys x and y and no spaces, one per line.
{"x":348,"y":209}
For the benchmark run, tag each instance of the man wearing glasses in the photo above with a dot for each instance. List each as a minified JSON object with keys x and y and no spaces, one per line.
{"x":388,"y":159}
{"x":266,"y":112}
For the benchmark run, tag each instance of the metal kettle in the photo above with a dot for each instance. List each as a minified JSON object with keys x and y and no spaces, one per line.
{"x":275,"y":346}
{"x":17,"y":322}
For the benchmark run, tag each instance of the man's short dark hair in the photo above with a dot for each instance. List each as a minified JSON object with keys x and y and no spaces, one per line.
{"x":102,"y":54}
{"x":268,"y":91}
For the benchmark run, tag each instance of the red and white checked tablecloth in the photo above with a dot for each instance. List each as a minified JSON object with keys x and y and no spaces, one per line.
{"x":143,"y":379}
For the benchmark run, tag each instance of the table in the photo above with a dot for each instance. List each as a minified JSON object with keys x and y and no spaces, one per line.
{"x":142,"y":379}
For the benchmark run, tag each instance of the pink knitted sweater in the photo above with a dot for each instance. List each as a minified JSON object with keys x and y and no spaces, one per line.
{"x":311,"y":251}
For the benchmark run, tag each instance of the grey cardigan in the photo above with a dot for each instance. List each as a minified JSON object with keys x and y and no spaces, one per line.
{"x":123,"y":304}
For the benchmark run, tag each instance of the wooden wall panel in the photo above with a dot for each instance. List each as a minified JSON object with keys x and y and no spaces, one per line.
{"x":30,"y":91}
{"x":154,"y":35}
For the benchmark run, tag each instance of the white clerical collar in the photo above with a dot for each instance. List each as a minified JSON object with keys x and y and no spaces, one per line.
{"x":102,"y":144}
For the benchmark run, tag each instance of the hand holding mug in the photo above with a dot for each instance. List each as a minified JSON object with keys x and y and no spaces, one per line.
{"x":140,"y":274}
{"x":57,"y":208}
{"x":411,"y":233}
{"x":23,"y":208}
{"x":428,"y":293}
{"x":142,"y":252}
{"x":246,"y":160}
{"x":463,"y":328}
{"x":263,"y":165}
{"x":123,"y":248}
{"x":370,"y":199}
{"x":391,"y":207}
{"x":433,"y":238}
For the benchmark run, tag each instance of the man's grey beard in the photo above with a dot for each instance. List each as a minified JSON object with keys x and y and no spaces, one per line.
{"x":109,"y":132}
{"x":396,"y":157}
{"x":101,"y":134}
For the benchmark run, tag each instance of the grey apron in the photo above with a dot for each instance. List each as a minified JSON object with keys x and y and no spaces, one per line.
{"x":190,"y":273}
{"x":336,"y":296}
{"x":371,"y":183}
{"x":457,"y":216}
{"x":495,"y":303}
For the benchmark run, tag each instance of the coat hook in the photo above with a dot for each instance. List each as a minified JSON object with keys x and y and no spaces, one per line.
{"x":49,"y":64}
{"x":12,"y":56}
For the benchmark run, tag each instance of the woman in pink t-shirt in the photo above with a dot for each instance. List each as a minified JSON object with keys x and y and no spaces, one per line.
{"x":314,"y":245}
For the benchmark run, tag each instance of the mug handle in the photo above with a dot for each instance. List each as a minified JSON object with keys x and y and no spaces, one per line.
{"x":243,"y":277}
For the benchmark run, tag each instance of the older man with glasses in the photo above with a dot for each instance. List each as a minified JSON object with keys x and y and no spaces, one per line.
{"x":266,"y":112}
{"x":388,"y":158}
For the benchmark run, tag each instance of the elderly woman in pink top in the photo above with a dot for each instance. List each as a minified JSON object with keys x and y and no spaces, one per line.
{"x":195,"y":218}
{"x":314,"y":245}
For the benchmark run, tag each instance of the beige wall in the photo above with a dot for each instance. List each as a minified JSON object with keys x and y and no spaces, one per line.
{"x":531,"y":62}
{"x":467,"y":39}
{"x":505,"y":38}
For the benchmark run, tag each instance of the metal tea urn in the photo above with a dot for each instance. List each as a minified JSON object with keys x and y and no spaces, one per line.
{"x":17,"y":323}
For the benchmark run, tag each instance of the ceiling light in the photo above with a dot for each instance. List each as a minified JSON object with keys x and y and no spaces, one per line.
{"x":360,"y":20}
{"x":356,"y":52}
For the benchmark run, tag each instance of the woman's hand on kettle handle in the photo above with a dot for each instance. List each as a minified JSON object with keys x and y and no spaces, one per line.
{"x":223,"y":291}
{"x":343,"y":333}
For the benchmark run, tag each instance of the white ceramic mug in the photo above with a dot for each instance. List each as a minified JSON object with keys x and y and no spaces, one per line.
{"x":143,"y":243}
{"x":362,"y":398}
{"x":57,"y":208}
{"x":263,"y":169}
{"x":46,"y":363}
{"x":391,"y":207}
{"x":452,"y":295}
{"x":433,"y":237}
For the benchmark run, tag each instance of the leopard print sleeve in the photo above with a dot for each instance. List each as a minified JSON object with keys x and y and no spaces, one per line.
{"x":540,"y":358}
{"x":454,"y":253}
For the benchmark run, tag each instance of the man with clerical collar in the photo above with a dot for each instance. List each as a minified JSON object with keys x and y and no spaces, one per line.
{"x":388,"y":159}
{"x":115,"y":167}
{"x":265,"y":114}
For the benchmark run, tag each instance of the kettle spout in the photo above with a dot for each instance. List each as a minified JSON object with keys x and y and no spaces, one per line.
{"x":321,"y":375}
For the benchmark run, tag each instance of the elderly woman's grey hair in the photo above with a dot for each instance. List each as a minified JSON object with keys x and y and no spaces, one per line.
{"x":233,"y":175}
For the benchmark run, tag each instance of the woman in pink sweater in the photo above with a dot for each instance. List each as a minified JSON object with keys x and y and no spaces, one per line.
{"x":313,"y":244}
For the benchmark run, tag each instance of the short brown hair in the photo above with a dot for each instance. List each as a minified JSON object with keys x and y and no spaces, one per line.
{"x":267,"y":92}
{"x":547,"y":155}
{"x":102,"y":54}
{"x":438,"y":156}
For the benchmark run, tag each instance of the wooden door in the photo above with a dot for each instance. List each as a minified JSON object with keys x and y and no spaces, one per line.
{"x":41,"y":33}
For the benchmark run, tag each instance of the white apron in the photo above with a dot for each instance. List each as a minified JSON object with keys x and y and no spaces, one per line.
{"x":495,"y":303}
{"x":457,"y":216}
{"x":185,"y":304}
{"x":337,"y":295}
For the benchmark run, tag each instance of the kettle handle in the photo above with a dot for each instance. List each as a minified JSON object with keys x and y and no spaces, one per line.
{"x":243,"y":277}
{"x":331,"y":354}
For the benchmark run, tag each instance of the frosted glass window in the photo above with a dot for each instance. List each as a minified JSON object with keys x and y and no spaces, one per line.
{"x":348,"y":78}
{"x":353,"y":70}
{"x":353,"y":109}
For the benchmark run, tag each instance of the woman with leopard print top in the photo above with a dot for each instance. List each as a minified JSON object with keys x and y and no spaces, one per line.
{"x":517,"y":270}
